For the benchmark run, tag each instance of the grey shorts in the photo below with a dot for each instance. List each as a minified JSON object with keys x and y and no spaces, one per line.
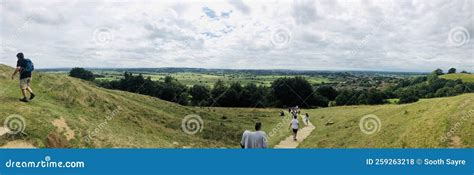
{"x":25,"y":83}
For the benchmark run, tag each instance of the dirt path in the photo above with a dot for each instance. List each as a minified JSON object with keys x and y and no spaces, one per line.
{"x":302,"y":134}
{"x":62,"y":126}
{"x":15,"y":143}
{"x":455,"y":142}
{"x":18,"y":144}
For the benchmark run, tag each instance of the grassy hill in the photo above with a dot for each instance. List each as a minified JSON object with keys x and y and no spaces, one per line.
{"x":462,"y":76}
{"x":418,"y":125}
{"x":69,"y":110}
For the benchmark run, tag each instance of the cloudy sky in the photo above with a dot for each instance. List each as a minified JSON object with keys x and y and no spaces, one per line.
{"x":387,"y":35}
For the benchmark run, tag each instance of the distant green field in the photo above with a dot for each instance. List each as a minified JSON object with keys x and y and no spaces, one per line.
{"x":461,"y":76}
{"x":191,"y":78}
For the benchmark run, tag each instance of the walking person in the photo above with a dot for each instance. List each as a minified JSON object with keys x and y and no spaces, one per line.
{"x":282,"y":113}
{"x":294,"y":125}
{"x":25,"y":67}
{"x":257,"y":139}
{"x":306,"y":119}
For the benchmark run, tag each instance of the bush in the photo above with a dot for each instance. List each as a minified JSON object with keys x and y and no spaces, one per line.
{"x":81,"y":73}
{"x":408,"y":97}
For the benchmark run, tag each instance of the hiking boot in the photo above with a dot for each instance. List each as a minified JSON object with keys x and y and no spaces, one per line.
{"x":32,"y":96}
{"x":23,"y":99}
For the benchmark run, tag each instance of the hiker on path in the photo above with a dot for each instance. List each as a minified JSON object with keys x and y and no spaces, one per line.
{"x":306,"y":119}
{"x":257,"y":139}
{"x":294,"y":125}
{"x":25,"y":67}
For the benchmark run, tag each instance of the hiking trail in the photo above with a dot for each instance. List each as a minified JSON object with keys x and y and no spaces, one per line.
{"x":15,"y":143}
{"x":302,"y":134}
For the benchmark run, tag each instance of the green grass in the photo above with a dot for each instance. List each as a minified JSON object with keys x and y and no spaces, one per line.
{"x":462,"y":76}
{"x":140,"y":121}
{"x":419,"y":125}
{"x":393,"y":100}
{"x":145,"y":122}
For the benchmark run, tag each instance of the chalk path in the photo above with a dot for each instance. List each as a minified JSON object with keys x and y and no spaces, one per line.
{"x":302,"y":134}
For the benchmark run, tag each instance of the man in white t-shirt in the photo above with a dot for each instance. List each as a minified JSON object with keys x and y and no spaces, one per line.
{"x":294,"y":125}
{"x":257,"y":139}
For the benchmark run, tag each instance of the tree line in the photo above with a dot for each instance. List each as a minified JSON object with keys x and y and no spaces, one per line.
{"x":283,"y":92}
{"x":430,"y":86}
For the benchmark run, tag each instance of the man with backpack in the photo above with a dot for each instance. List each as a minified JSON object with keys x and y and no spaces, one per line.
{"x":25,"y":67}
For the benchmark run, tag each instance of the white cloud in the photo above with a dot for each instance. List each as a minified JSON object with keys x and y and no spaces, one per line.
{"x":391,"y":35}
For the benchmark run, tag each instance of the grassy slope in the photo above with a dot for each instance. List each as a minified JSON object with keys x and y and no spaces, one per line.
{"x":144,"y":121}
{"x":462,"y":76}
{"x":416,"y":125}
{"x":140,"y":121}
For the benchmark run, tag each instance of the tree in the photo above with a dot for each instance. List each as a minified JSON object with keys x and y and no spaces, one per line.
{"x":231,"y":97}
{"x":253,"y":96}
{"x":318,"y":100}
{"x":452,"y":71}
{"x":292,"y":91}
{"x":218,"y":92}
{"x":438,"y":72}
{"x":81,"y":73}
{"x":200,"y":95}
{"x":445,"y":92}
{"x":172,"y":90}
{"x":374,"y":96}
{"x":327,"y":91}
{"x":346,"y":97}
{"x":408,"y":97}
